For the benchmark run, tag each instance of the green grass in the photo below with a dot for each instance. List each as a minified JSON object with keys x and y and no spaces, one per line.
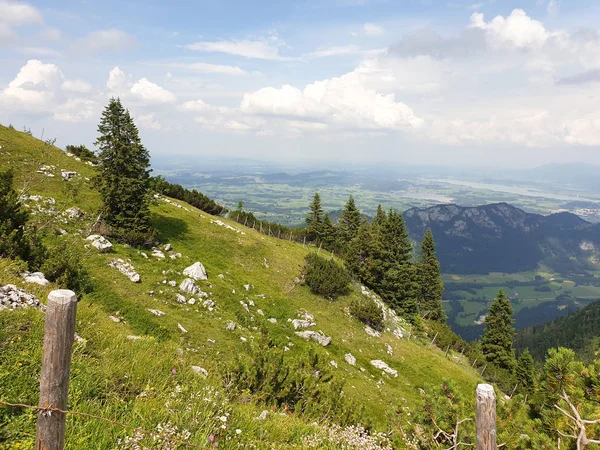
{"x":132,"y":381}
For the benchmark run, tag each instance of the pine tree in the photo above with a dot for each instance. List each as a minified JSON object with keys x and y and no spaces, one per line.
{"x":499,"y":332}
{"x":314,"y":219}
{"x":525,"y":372}
{"x":124,"y":175}
{"x":398,"y":283}
{"x":328,"y":233}
{"x":360,"y":254}
{"x":380,"y":216}
{"x":349,"y":222}
{"x":13,"y":218}
{"x":430,"y":281}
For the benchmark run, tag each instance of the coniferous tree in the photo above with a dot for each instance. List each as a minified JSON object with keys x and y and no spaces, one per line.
{"x":360,"y":254}
{"x":314,"y":219}
{"x":124,"y":175}
{"x":430,"y":281}
{"x":499,"y":332}
{"x":328,"y":233}
{"x":399,"y":285}
{"x":525,"y":372}
{"x":380,"y":216}
{"x":349,"y":222}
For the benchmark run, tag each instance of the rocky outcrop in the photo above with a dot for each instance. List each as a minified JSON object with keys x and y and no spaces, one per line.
{"x":11,"y":297}
{"x":74,"y":213}
{"x":67,"y":175}
{"x":100,"y":243}
{"x":35,"y":277}
{"x":196,"y":271}
{"x":319,"y":338}
{"x":379,"y":364}
{"x":350,"y":359}
{"x":300,"y":323}
{"x":126,"y":269}
{"x":189,"y":287}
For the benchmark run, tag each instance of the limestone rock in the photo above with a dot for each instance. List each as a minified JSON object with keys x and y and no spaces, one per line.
{"x":314,"y":336}
{"x":67,"y":175}
{"x":196,"y":271}
{"x":199,"y":371}
{"x":35,"y":277}
{"x":183,"y":330}
{"x":273,"y":320}
{"x":371,"y":332}
{"x":99,"y":242}
{"x":189,"y":287}
{"x":350,"y":359}
{"x":74,"y":213}
{"x":180,"y":298}
{"x":126,"y":269}
{"x":301,"y":323}
{"x":263,"y":415}
{"x":157,"y":312}
{"x":230,"y":326}
{"x":158,"y":254}
{"x":379,"y":364}
{"x":11,"y":297}
{"x":168,"y":247}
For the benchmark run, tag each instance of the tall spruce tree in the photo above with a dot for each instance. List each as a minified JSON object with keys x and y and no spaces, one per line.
{"x":499,"y":332}
{"x":349,"y":223}
{"x":430,"y":281}
{"x":380,"y":216}
{"x":314,"y":219}
{"x":360,"y":254}
{"x":328,"y":233}
{"x":124,"y":175}
{"x":13,"y":219}
{"x":525,"y":372}
{"x":398,"y":276}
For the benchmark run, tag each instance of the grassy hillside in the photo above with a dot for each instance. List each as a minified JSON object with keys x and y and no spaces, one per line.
{"x":138,"y":370}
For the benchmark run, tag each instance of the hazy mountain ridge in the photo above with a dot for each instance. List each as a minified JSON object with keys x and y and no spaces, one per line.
{"x":502,"y":238}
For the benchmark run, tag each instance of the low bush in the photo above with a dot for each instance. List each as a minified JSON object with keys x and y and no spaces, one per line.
{"x":325,"y":277}
{"x":64,"y":266}
{"x":368,"y":312}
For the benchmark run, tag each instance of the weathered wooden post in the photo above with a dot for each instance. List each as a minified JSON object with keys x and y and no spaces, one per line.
{"x":59,"y":333}
{"x":485,"y":417}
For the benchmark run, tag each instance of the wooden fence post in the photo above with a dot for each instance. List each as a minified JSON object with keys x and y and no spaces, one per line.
{"x":59,"y":333}
{"x":485,"y":417}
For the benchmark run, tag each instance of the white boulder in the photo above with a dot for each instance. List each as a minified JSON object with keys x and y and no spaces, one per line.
{"x":35,"y":277}
{"x":196,"y":271}
{"x":126,"y":269}
{"x":100,"y":242}
{"x":189,"y":287}
{"x":350,"y":359}
{"x":301,"y":323}
{"x":314,"y":336}
{"x":379,"y":364}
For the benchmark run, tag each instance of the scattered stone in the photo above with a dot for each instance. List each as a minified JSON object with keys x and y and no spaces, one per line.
{"x":35,"y":277}
{"x":175,"y":256}
{"x":388,"y":347}
{"x":79,"y":339}
{"x":301,"y":323}
{"x":144,"y":255}
{"x":46,"y":170}
{"x":229,"y":227}
{"x":260,"y":312}
{"x":221,"y":276}
{"x":158,"y":254}
{"x":157,"y":312}
{"x":273,"y":320}
{"x":200,"y":371}
{"x":168,"y":247}
{"x":126,"y":269}
{"x":245,"y":306}
{"x":212,"y":341}
{"x":74,"y":213}
{"x":230,"y":326}
{"x":196,"y":271}
{"x":250,"y":302}
{"x":263,"y":415}
{"x":265,"y":263}
{"x":180,"y":298}
{"x":379,"y":364}
{"x":67,"y":175}
{"x":333,"y":364}
{"x":99,"y":242}
{"x":192,"y":301}
{"x":371,"y":332}
{"x":243,"y":339}
{"x":209,"y":304}
{"x":320,"y":338}
{"x":350,"y":359}
{"x":247,"y":287}
{"x":183,"y":330}
{"x":134,"y":338}
{"x":172,"y":283}
{"x":189,"y":287}
{"x":306,"y":316}
{"x":114,"y":318}
{"x":11,"y":297}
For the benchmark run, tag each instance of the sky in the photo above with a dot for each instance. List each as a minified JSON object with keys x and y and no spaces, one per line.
{"x":493,"y":82}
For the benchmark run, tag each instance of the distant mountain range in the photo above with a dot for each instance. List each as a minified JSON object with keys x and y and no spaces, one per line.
{"x":502,"y":238}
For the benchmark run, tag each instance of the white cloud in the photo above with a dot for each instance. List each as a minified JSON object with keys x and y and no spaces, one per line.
{"x":17,"y":13}
{"x":370,"y":29}
{"x":553,"y":7}
{"x":7,"y":34}
{"x":149,"y":121}
{"x":40,"y":51}
{"x":51,"y":34}
{"x":117,"y":80}
{"x":104,"y":41}
{"x":33,"y":89}
{"x":335,"y":51}
{"x":259,"y":49}
{"x":517,"y":30}
{"x":210,"y":68}
{"x":150,"y":92}
{"x":76,"y":86}
{"x":343,"y":101}
{"x":77,"y":110}
{"x":476,"y":6}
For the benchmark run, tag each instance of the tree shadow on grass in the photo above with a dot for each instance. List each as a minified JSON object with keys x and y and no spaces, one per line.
{"x":169,"y":227}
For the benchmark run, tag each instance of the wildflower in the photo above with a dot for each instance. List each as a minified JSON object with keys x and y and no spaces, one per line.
{"x":223,"y":418}
{"x":238,"y":431}
{"x":173,"y":371}
{"x":211,"y":439}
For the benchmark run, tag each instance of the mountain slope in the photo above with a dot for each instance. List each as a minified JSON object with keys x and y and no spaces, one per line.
{"x":137,"y":367}
{"x":579,"y":331}
{"x":501,"y":238}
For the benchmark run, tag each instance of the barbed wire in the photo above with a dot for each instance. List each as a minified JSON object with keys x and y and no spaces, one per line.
{"x":49,"y":409}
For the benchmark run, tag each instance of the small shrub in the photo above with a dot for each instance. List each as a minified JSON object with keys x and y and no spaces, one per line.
{"x":64,"y":266}
{"x":368,"y":312}
{"x":325,"y":277}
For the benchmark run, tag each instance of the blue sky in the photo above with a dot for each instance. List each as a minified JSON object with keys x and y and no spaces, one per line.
{"x":456,"y":82}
